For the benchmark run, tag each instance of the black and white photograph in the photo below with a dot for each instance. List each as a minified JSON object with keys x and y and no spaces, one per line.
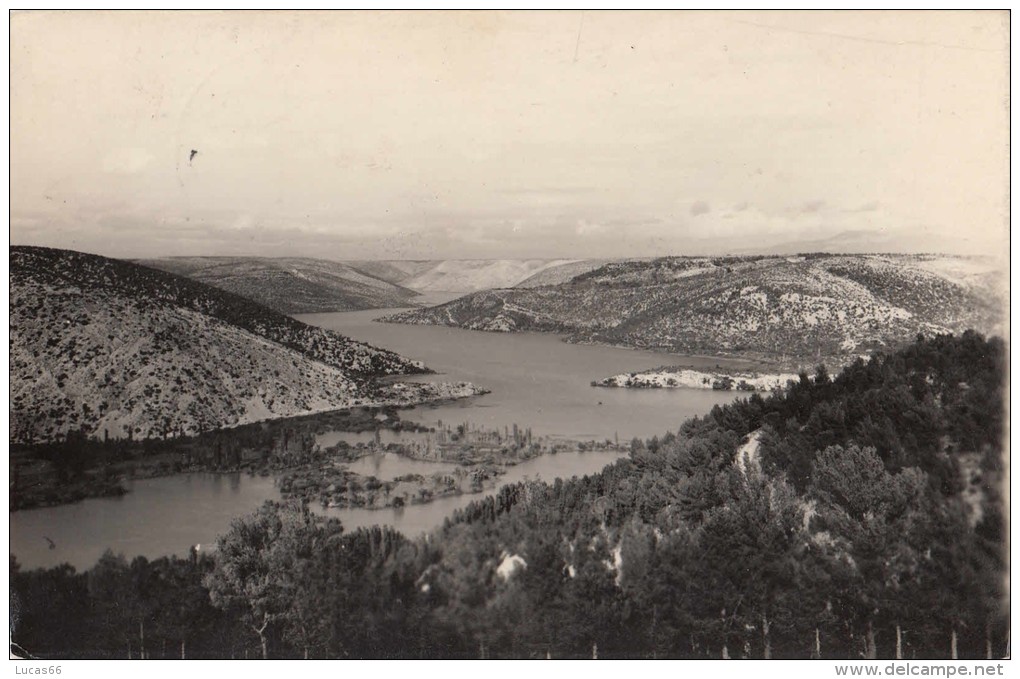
{"x":510,"y":335}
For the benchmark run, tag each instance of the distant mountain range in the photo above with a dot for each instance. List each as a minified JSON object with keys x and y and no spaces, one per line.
{"x":784,"y":310}
{"x":472,"y":275}
{"x":296,"y":285}
{"x":116,"y":348}
{"x":291,"y":285}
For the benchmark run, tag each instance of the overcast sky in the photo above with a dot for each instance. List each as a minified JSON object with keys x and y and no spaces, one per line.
{"x":555,"y":134}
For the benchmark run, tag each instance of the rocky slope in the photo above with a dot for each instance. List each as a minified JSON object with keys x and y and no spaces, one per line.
{"x":291,"y":285}
{"x":116,"y":348}
{"x":785,"y":310}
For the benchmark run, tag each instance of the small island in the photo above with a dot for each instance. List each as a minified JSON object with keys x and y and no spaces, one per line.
{"x":675,"y":377}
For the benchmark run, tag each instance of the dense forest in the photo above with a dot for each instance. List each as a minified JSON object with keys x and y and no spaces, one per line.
{"x":855,"y":516}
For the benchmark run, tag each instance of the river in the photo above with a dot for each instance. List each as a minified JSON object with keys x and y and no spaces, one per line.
{"x":536,"y":381}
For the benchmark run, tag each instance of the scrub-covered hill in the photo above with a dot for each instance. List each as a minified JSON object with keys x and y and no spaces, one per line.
{"x":784,"y":309}
{"x":118,"y":349}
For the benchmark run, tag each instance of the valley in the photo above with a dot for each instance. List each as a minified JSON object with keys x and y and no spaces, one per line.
{"x":534,"y":381}
{"x":510,"y":335}
{"x":429,"y":432}
{"x":186,"y":369}
{"x":300,"y":285}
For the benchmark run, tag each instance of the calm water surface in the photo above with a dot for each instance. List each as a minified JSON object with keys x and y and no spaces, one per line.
{"x":157,"y":517}
{"x":536,"y":380}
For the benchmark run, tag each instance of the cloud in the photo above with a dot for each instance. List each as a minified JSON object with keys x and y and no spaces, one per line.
{"x":550,"y":191}
{"x":700,"y":208}
{"x":867,"y":207}
{"x":585,"y":228}
{"x":811,"y":207}
{"x":243,"y":222}
{"x":602,"y":230}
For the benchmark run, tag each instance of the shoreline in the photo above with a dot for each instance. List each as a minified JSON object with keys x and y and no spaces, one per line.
{"x":741,"y":361}
{"x":118,"y":461}
{"x":336,"y":487}
{"x":477,"y":469}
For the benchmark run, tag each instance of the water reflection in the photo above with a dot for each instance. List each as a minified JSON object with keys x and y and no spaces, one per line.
{"x":388,"y":466}
{"x":416,"y":519}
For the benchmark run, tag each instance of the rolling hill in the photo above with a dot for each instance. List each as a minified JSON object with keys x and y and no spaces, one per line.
{"x":469,"y":275}
{"x":297,"y":285}
{"x":561,"y":273}
{"x":115,"y":348}
{"x":291,"y":285}
{"x":784,"y":310}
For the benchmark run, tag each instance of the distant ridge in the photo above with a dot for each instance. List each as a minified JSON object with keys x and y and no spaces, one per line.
{"x":297,"y":285}
{"x":291,"y":285}
{"x":469,"y":275}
